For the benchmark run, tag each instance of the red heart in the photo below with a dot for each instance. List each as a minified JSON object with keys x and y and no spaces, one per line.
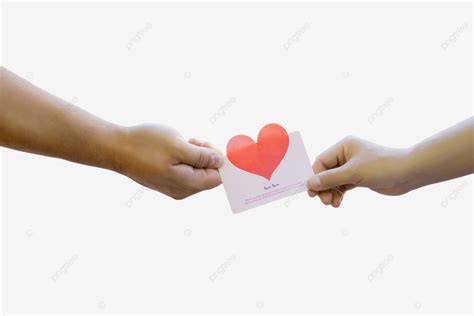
{"x":264,"y":156}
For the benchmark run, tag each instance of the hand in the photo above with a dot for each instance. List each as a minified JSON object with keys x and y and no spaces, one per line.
{"x":354,"y":162}
{"x":35,"y":121}
{"x":155,"y":156}
{"x":159,"y":158}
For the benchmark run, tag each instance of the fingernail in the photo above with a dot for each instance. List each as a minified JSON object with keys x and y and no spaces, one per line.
{"x":216,"y":161}
{"x":198,"y":142}
{"x":213,"y":160}
{"x":314,"y":182}
{"x":219,"y":161}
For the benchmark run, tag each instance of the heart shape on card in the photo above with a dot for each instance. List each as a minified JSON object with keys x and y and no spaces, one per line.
{"x":261,"y":157}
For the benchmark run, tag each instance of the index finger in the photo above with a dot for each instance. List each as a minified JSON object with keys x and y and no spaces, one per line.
{"x":330,"y":158}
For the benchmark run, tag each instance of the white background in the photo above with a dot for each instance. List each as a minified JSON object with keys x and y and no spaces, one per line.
{"x":119,"y":248}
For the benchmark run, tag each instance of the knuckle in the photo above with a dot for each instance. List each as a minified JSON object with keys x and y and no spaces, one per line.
{"x":350,"y":139}
{"x":177,"y":194}
{"x":203,"y":159}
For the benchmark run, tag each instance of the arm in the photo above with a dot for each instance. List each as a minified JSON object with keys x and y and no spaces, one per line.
{"x":444,"y":156}
{"x":34,"y":121}
{"x":354,"y":162}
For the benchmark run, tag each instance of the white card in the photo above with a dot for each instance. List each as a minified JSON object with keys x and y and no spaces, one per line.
{"x":246,"y":190}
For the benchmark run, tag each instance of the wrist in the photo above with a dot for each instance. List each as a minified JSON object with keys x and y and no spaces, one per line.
{"x":114,"y":144}
{"x":414,"y":177}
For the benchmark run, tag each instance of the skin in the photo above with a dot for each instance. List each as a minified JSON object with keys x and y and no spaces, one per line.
{"x":354,"y":162}
{"x":155,"y":156}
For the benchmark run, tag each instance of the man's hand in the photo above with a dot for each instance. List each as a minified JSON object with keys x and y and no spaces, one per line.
{"x":35,"y":121}
{"x":159,"y":158}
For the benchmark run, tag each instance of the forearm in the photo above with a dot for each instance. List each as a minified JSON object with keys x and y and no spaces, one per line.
{"x":444,"y":156}
{"x":33,"y":120}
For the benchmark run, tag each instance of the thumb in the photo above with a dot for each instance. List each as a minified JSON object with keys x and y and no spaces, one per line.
{"x":200,"y":157}
{"x":330,"y":179}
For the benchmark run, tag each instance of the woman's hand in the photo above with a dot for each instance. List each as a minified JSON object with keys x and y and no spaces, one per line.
{"x":355,"y":162}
